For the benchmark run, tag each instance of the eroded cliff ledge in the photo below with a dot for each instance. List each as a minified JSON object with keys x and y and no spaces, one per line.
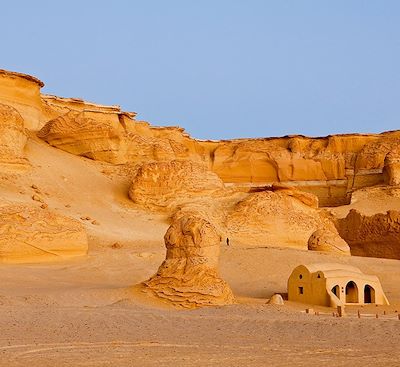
{"x":330,"y":167}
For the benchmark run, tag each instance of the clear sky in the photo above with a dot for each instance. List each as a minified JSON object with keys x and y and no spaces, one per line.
{"x":218,"y":68}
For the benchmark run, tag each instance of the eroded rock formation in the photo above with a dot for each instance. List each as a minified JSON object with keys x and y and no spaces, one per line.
{"x":12,"y":138}
{"x":329,"y":167}
{"x":188,"y":277}
{"x":391,"y":169}
{"x":31,"y":234}
{"x":273,"y":219}
{"x":167,"y":184}
{"x":111,"y":135}
{"x":86,"y":134}
{"x":328,"y":240}
{"x":22,"y":92}
{"x":374,"y":236}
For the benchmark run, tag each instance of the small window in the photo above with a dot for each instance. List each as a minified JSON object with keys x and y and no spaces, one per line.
{"x":319,"y":276}
{"x":301,"y":290}
{"x":301,"y":276}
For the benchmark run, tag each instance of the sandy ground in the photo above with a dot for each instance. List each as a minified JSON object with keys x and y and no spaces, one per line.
{"x":85,"y":312}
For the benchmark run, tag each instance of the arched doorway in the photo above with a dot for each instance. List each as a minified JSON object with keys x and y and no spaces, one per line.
{"x":336,"y":291}
{"x":369,"y":294}
{"x":351,"y":292}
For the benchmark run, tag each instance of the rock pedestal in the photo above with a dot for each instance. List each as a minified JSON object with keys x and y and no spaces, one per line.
{"x":188,"y":277}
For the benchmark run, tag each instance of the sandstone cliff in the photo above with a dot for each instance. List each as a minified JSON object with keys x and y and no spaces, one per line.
{"x":22,"y":92}
{"x":108,"y":134}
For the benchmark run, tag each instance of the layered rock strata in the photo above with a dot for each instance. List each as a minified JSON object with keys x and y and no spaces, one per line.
{"x":31,"y":234}
{"x":113,"y":136}
{"x":22,"y":92}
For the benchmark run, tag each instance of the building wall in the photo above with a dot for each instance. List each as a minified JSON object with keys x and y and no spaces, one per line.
{"x":315,"y":289}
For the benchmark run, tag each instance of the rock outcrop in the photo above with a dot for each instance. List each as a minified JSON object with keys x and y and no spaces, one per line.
{"x":12,"y":139}
{"x":22,"y":92}
{"x":31,"y":234}
{"x":86,"y":134}
{"x":329,"y":167}
{"x":273,"y":219}
{"x":328,"y":240}
{"x":168,"y":184}
{"x":111,"y":135}
{"x":188,"y":278}
{"x":377,"y":235}
{"x":391,"y":169}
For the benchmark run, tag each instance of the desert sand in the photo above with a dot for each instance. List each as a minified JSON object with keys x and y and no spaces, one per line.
{"x":106,"y":289}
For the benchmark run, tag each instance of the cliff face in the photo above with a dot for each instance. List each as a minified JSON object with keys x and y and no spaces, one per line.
{"x":108,"y":134}
{"x":329,"y":167}
{"x":22,"y":92}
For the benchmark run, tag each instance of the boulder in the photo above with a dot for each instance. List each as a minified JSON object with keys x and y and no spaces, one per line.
{"x":328,"y":240}
{"x":276,"y":299}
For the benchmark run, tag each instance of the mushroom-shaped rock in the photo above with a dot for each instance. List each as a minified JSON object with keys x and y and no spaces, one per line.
{"x":167,"y":184}
{"x":188,"y":278}
{"x":30,"y":234}
{"x":276,"y":299}
{"x":328,"y":240}
{"x":12,"y":138}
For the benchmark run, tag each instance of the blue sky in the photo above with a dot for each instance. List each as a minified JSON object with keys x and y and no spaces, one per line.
{"x":221,"y":68}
